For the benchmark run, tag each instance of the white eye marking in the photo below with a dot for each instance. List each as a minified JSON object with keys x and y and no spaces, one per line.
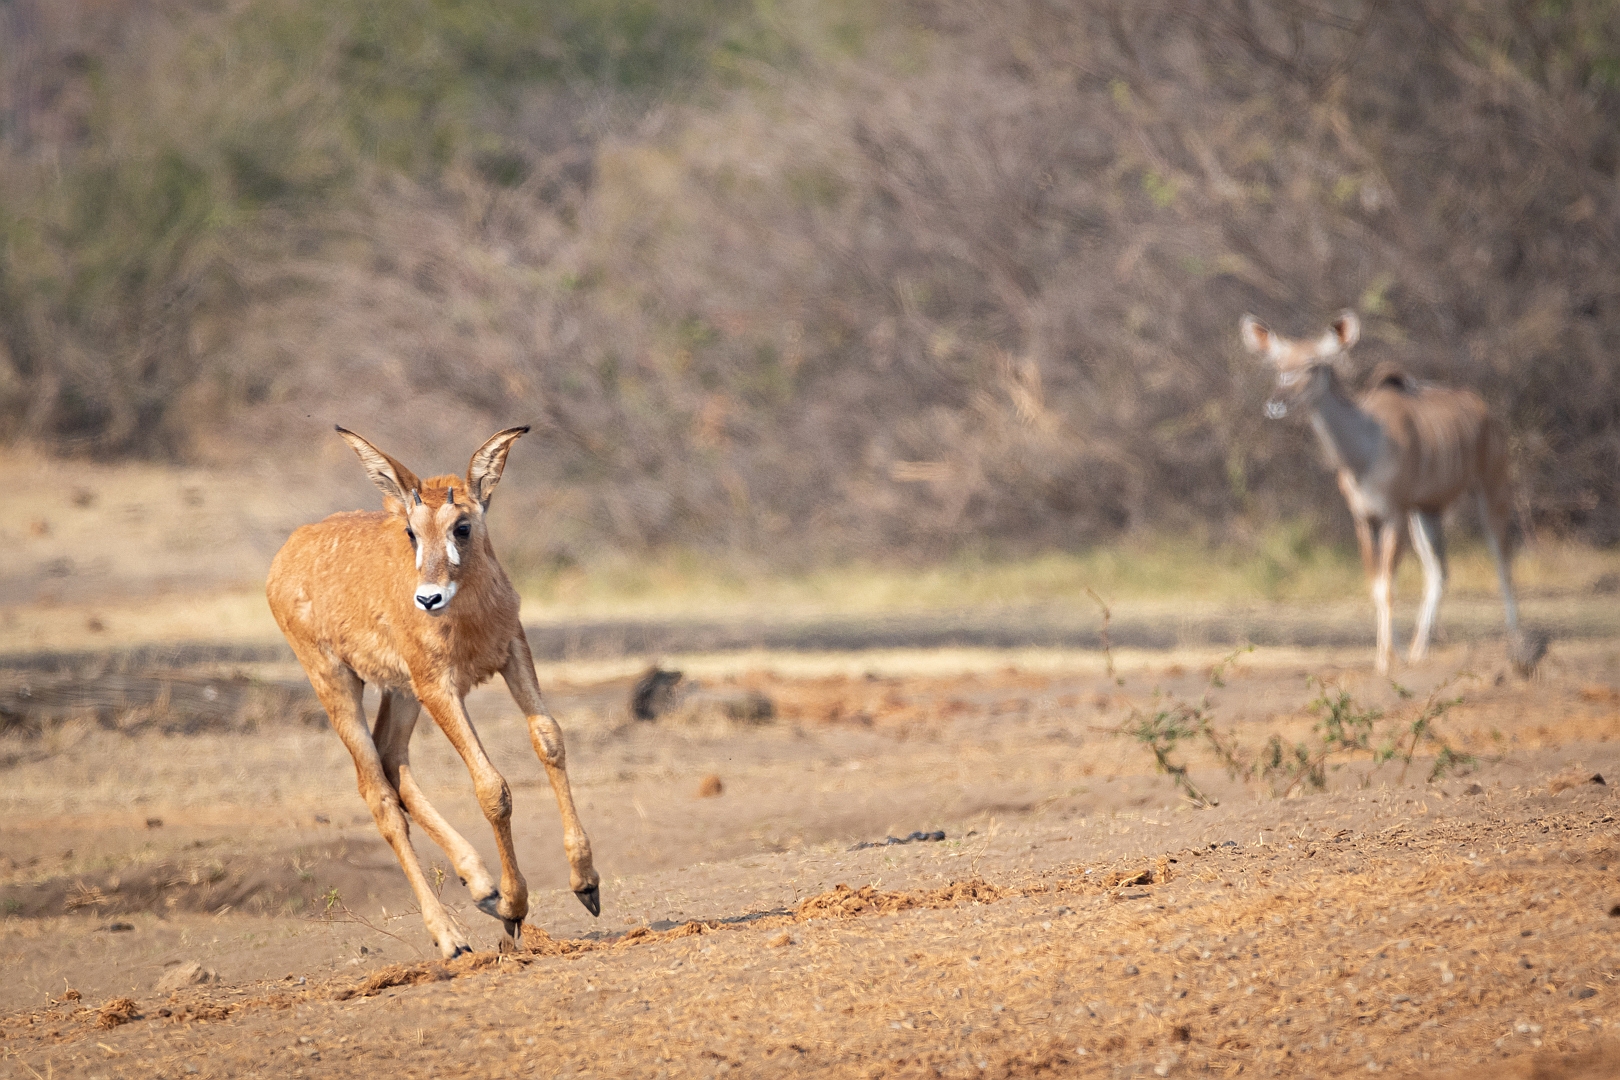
{"x":450,"y":550}
{"x":419,"y":556}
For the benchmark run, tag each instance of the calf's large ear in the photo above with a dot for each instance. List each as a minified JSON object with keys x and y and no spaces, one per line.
{"x":484,"y":471}
{"x":394,"y":480}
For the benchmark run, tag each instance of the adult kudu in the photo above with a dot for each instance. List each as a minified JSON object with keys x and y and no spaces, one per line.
{"x":1404,"y":452}
{"x":413,"y":601}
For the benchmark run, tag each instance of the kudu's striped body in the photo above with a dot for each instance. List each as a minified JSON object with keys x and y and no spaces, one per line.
{"x":1404,"y":452}
{"x":413,"y":601}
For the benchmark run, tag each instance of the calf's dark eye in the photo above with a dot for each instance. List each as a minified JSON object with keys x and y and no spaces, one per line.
{"x":463,"y":531}
{"x":412,"y":535}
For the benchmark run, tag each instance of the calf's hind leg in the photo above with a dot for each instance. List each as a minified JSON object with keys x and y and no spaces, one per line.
{"x":339,"y":690}
{"x":396,"y":719}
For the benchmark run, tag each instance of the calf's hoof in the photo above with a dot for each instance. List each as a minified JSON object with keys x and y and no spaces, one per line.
{"x":591,"y":898}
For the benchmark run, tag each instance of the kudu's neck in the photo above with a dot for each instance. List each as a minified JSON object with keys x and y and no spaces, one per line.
{"x":1351,"y":436}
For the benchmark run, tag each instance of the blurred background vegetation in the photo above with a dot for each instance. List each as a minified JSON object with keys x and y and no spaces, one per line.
{"x":797,"y":282}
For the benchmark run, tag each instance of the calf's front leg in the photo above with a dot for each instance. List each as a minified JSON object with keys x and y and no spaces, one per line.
{"x":547,"y":738}
{"x":509,"y":903}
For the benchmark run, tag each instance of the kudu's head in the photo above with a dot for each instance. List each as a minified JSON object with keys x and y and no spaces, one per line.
{"x":1303,"y":368}
{"x":443,"y":517}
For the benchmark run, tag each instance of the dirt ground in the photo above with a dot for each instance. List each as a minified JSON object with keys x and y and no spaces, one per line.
{"x":1080,"y":917}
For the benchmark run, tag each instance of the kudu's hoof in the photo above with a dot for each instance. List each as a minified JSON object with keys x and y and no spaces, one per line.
{"x":513,"y":940}
{"x":592,"y":899}
{"x":1525,"y":649}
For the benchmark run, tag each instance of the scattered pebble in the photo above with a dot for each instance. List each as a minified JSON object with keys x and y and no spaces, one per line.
{"x":914,"y":838}
{"x":654,"y":693}
{"x":710,"y":787}
{"x":192,"y":974}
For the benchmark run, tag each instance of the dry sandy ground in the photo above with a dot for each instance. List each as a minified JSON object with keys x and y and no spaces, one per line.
{"x":1079,"y":919}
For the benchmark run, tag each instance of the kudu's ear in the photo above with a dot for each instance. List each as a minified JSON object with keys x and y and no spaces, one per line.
{"x":484,"y":471}
{"x":392,"y":479}
{"x":1346,"y":329}
{"x":1257,"y":336}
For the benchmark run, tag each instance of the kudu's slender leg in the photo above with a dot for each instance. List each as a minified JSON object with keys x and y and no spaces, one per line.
{"x":547,"y":738}
{"x":339,"y":690}
{"x":396,"y":719}
{"x":1364,"y":541}
{"x":1495,"y":520}
{"x":1524,"y":650}
{"x":1389,"y":553}
{"x":1369,"y":562}
{"x":1429,"y":543}
{"x":509,"y":903}
{"x":1364,"y":536}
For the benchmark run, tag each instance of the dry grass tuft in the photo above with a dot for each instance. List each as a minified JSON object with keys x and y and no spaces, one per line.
{"x":1120,"y":879}
{"x":842,"y":902}
{"x":117,"y":1011}
{"x":1572,"y":777}
{"x":397,"y":975}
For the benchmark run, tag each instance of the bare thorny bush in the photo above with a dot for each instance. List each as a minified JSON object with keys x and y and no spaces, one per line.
{"x":812,"y":280}
{"x":334,"y":909}
{"x":1344,"y":733}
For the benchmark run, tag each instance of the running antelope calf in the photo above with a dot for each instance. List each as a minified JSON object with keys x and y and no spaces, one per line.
{"x":413,"y":601}
{"x":1404,"y":452}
